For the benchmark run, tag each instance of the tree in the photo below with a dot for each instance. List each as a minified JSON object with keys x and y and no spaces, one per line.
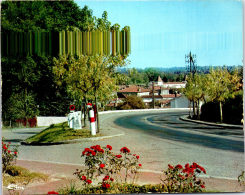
{"x":132,"y":102}
{"x":88,"y":78}
{"x":195,"y":91}
{"x":221,"y":85}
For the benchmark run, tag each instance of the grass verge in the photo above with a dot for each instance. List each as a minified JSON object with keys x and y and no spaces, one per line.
{"x":58,"y":133}
{"x":22,"y":176}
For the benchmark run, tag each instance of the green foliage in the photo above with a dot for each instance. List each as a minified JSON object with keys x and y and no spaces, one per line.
{"x":132,"y":102}
{"x":52,"y":16}
{"x":222,"y":85}
{"x":88,"y":77}
{"x":20,"y":106}
{"x":58,"y":133}
{"x":232,"y":110}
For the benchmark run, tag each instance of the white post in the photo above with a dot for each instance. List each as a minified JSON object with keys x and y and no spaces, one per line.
{"x":92,"y":122}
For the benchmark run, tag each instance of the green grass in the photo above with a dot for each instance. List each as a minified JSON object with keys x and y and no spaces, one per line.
{"x":20,"y":175}
{"x":58,"y":133}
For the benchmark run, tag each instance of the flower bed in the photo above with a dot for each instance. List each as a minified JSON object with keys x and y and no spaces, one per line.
{"x":109,"y":172}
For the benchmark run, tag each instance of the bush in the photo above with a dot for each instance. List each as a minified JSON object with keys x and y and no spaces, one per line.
{"x":183,"y":179}
{"x":132,"y":102}
{"x":103,"y":162}
{"x":232,"y":110}
{"x":8,"y":156}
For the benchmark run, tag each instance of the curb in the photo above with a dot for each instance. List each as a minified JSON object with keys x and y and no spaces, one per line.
{"x":71,"y":141}
{"x":184,"y":118}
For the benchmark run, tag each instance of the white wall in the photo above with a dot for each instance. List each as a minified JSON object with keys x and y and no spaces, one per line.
{"x":49,"y":120}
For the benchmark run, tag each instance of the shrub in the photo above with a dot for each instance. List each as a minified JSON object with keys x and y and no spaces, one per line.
{"x":183,"y":179}
{"x":132,"y":102}
{"x":101,"y":161}
{"x":232,"y":110}
{"x":8,"y":156}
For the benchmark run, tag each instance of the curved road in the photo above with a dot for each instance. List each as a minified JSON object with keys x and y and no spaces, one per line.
{"x":159,"y":137}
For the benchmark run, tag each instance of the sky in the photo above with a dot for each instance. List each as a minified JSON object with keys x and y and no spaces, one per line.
{"x":164,"y":31}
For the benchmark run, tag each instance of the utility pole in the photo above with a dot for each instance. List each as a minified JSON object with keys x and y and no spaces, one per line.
{"x":153,"y":95}
{"x":190,"y":60}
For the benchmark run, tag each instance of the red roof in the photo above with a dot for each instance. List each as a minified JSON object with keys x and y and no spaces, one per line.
{"x":161,"y":96}
{"x":134,"y":89}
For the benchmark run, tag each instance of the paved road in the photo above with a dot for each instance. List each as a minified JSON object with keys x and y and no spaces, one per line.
{"x":159,"y":138}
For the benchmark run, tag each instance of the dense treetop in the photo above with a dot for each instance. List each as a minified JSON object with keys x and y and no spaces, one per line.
{"x":50,"y":15}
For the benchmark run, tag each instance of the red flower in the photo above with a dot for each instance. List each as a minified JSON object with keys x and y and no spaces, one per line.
{"x":93,"y":153}
{"x":111,"y":179}
{"x":9,"y":151}
{"x":179,"y":166}
{"x":137,"y":157}
{"x":170,"y":166}
{"x":202,"y":186}
{"x":109,"y":147}
{"x":89,"y":181}
{"x":125,"y":150}
{"x":53,"y":192}
{"x":119,"y":156}
{"x":4,"y":147}
{"x":15,"y":153}
{"x":140,"y":165}
{"x":106,"y":178}
{"x":84,"y":178}
{"x":102,"y":166}
{"x":107,"y":186}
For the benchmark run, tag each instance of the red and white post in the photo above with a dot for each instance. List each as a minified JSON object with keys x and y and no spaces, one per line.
{"x":91,"y":119}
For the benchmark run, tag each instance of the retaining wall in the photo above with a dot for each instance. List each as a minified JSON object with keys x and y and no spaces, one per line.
{"x":49,"y":120}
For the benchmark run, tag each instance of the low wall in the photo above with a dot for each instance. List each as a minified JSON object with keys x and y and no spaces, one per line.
{"x":49,"y":120}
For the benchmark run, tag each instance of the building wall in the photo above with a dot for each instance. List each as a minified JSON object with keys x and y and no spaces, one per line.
{"x":180,"y":102}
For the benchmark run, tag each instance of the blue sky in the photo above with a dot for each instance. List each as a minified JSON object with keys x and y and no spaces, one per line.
{"x":164,"y":31}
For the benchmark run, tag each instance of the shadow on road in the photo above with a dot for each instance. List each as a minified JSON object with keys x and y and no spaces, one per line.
{"x":136,"y":122}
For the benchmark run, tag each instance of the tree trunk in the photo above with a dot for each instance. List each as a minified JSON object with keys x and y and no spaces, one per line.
{"x":221,"y":112}
{"x":84,"y":119}
{"x":198,"y":110}
{"x":97,"y":115}
{"x":194,"y":111}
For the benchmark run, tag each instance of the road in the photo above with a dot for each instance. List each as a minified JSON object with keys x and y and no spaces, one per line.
{"x":158,"y":137}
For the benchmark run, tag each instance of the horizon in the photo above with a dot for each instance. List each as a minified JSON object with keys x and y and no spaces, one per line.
{"x":163,"y":32}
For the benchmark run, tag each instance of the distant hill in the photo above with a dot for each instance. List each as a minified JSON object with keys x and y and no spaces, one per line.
{"x":177,"y":70}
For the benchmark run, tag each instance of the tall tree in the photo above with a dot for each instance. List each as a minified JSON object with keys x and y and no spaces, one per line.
{"x":195,"y":91}
{"x":221,"y":85}
{"x":88,"y":78}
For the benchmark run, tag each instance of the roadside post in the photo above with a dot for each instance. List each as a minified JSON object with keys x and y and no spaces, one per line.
{"x":91,"y":119}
